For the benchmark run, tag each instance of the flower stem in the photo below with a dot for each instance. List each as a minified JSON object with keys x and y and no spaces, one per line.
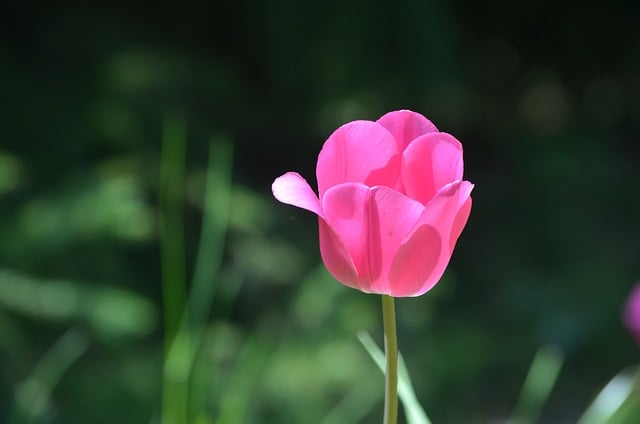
{"x":391,"y":353}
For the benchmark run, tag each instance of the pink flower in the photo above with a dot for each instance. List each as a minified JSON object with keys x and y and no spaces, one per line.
{"x":631,"y":315}
{"x":391,"y":206}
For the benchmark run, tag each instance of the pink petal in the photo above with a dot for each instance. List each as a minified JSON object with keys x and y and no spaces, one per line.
{"x":414,"y":268}
{"x":406,"y":126}
{"x":449,"y":212}
{"x":392,"y":215}
{"x":345,"y":213}
{"x":336,"y":257}
{"x":292,"y":189}
{"x":358,"y":152}
{"x":371,"y":222}
{"x":429,"y":163}
{"x":459,"y":222}
{"x":423,"y":257}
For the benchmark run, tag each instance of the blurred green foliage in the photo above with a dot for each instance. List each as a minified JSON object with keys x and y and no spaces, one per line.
{"x":543,"y":95}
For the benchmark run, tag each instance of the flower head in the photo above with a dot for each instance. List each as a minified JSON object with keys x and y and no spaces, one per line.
{"x":391,"y":203}
{"x":631,"y":314}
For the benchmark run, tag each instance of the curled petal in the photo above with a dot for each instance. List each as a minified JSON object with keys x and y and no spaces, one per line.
{"x":423,"y":256}
{"x":406,"y":126}
{"x":429,"y":163}
{"x":292,"y":189}
{"x":358,"y":152}
{"x":459,"y":222}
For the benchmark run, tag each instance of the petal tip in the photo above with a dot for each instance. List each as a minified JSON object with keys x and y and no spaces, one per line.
{"x":292,"y":189}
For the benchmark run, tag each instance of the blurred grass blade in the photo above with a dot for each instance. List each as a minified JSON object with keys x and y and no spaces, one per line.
{"x":610,"y":401}
{"x":171,"y":223}
{"x":175,"y":378}
{"x":33,"y":395}
{"x":537,"y":387}
{"x":214,"y":225}
{"x":238,"y":392}
{"x":217,"y":196}
{"x":355,"y":405}
{"x":413,"y":410}
{"x":203,"y":386}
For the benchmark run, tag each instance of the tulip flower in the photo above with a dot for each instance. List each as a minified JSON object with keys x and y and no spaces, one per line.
{"x":631,"y":315}
{"x":391,"y":203}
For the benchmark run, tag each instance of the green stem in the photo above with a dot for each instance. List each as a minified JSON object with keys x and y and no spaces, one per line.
{"x":391,"y":353}
{"x":176,"y":338}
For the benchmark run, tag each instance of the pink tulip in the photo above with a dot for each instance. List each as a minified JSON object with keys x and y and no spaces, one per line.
{"x":631,"y":315}
{"x":391,"y":206}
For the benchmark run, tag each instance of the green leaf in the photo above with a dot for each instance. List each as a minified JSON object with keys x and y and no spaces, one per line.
{"x":615,"y":400}
{"x":537,"y":387}
{"x":413,"y":410}
{"x":33,"y":396}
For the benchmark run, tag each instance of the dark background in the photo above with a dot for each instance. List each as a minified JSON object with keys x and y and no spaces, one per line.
{"x":545,"y":97}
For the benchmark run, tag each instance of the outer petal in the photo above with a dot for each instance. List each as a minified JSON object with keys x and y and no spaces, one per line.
{"x":423,"y":257}
{"x":336,"y":257}
{"x":358,"y":152}
{"x":406,"y":125}
{"x":345,"y":213}
{"x":371,"y":223}
{"x":292,"y":189}
{"x":458,"y":224}
{"x":429,"y":163}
